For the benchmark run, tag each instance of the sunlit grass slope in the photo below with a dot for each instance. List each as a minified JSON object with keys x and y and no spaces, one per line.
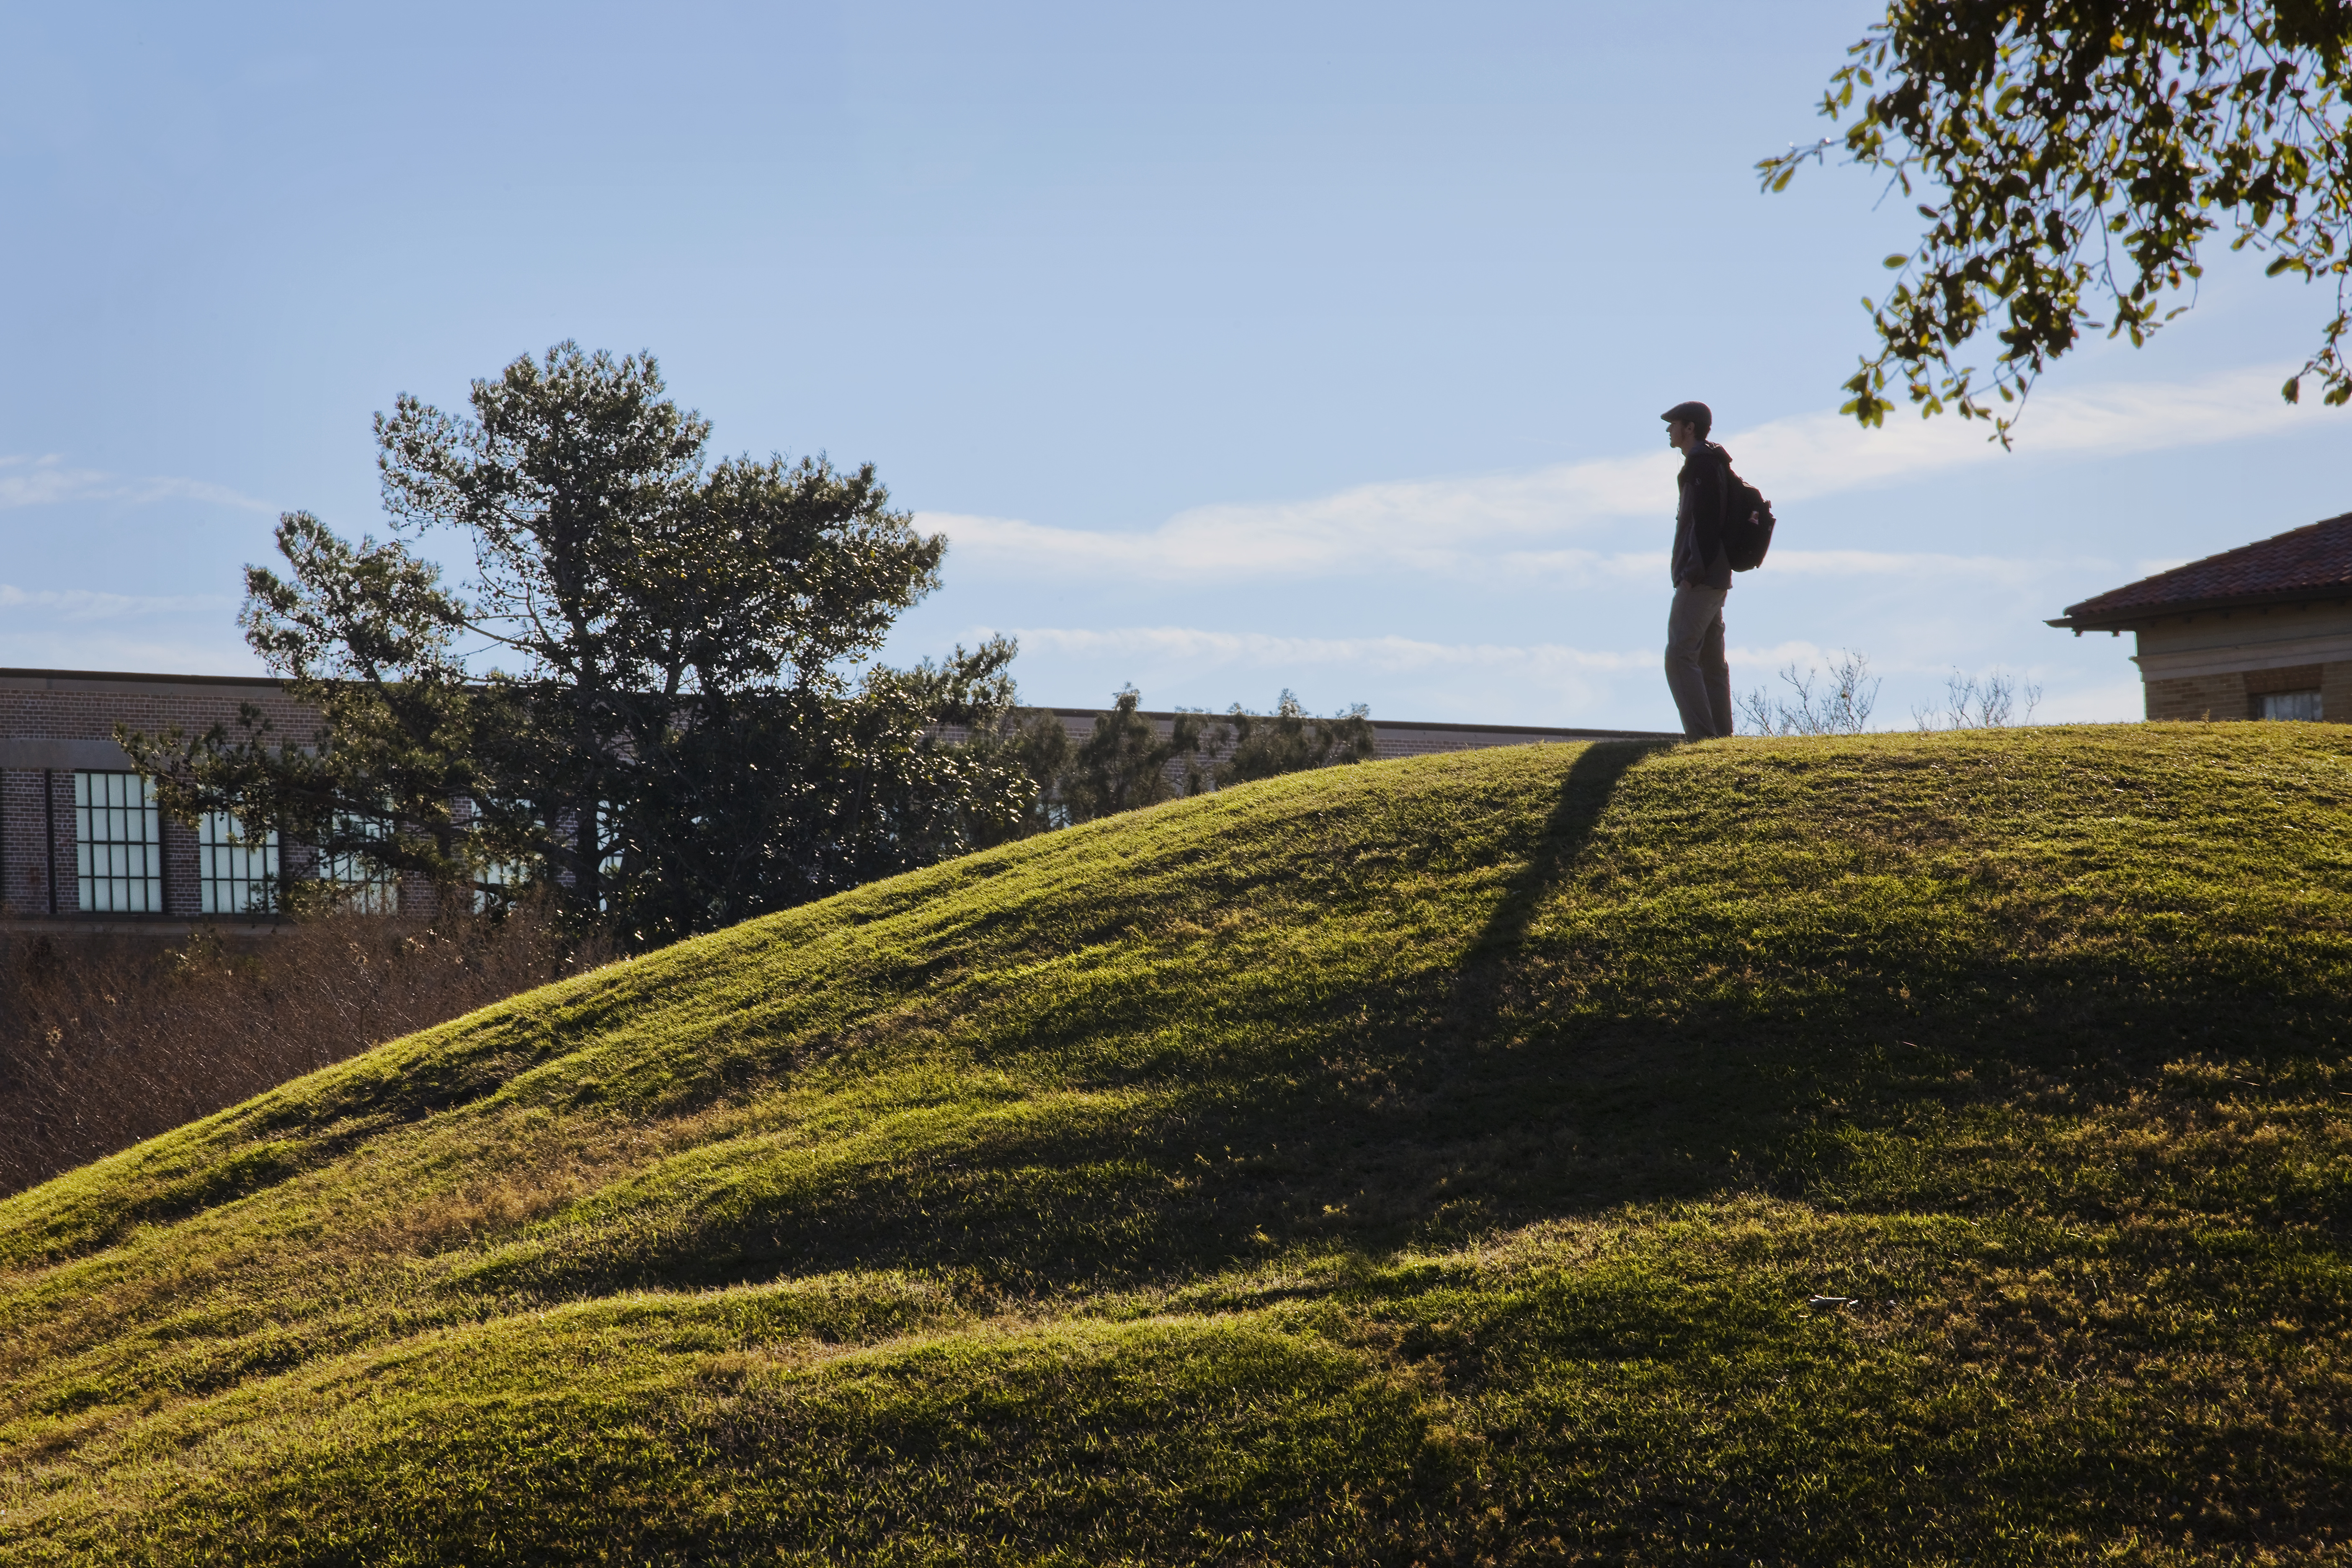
{"x":1425,"y":1162}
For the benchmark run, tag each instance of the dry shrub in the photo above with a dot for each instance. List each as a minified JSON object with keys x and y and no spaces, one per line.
{"x":105,"y":1041}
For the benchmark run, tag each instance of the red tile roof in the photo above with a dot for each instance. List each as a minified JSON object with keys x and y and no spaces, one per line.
{"x":2310,"y":562}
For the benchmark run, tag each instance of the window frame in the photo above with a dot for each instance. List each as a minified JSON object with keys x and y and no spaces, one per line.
{"x":2264,"y":700}
{"x":360,"y":887}
{"x":134,"y":861}
{"x":224,"y":859}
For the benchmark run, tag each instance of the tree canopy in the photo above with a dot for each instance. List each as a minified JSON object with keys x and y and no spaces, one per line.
{"x":2075,"y":156}
{"x":654,"y":698}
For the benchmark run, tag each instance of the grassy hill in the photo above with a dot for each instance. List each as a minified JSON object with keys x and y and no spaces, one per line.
{"x":1435,"y":1161}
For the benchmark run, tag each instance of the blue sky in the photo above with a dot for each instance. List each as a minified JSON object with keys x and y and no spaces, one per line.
{"x":1234,"y":347}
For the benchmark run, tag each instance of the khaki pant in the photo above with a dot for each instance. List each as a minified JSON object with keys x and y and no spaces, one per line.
{"x":1696,"y":672}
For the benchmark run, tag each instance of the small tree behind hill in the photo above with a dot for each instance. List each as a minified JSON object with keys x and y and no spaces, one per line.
{"x":1980,"y":703}
{"x":1290,"y":739}
{"x":1125,"y":761}
{"x":1841,"y":706}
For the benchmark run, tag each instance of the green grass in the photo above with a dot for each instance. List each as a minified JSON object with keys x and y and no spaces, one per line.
{"x":1423,"y":1162}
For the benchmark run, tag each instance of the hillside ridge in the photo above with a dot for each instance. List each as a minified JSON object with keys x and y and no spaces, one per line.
{"x":1890,"y":1148}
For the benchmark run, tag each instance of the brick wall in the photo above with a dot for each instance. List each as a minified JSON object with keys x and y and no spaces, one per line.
{"x":2213,"y":697}
{"x":2335,"y":692}
{"x":2238,"y":695}
{"x":28,"y":811}
{"x":56,"y":722}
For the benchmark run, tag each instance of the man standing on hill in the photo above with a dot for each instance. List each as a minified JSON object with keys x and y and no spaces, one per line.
{"x":1696,"y":672}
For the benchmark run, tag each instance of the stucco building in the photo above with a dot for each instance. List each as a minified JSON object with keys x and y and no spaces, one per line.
{"x":2264,"y":631}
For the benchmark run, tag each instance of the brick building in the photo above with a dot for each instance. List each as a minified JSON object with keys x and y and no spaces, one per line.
{"x":81,"y":839}
{"x":82,"y":845}
{"x":2264,"y":631}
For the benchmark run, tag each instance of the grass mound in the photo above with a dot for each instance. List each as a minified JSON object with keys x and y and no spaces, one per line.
{"x":1900,"y":1149}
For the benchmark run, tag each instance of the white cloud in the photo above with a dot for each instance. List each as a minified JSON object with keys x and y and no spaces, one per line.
{"x":36,"y":482}
{"x":44,"y":481}
{"x":1822,"y":454}
{"x":116,"y":650}
{"x":1447,"y":525}
{"x":2104,"y":704}
{"x":1197,"y":649}
{"x":1389,"y":654}
{"x":1649,"y":566}
{"x":1505,"y":682}
{"x":88,"y":604}
{"x":2008,"y":571}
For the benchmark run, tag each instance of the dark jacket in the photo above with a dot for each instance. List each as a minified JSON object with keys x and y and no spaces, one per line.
{"x":1699,"y":555}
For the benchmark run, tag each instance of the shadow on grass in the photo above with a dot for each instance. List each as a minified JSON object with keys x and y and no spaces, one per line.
{"x":1411,"y":1111}
{"x":1519,"y":1085}
{"x":1584,"y":795}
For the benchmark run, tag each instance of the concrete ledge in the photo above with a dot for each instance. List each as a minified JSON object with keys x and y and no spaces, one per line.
{"x":65,"y":756}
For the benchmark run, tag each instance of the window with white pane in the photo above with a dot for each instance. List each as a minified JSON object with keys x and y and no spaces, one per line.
{"x":608,"y":869}
{"x":359,"y":883}
{"x":117,"y":844}
{"x":496,"y":883}
{"x":2292,"y":705}
{"x":236,"y":869}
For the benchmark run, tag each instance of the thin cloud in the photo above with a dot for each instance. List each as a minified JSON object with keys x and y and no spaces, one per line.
{"x":1388,"y":654}
{"x":1589,"y":566}
{"x":1198,"y":648}
{"x":2011,"y":572}
{"x":116,"y":651}
{"x":1534,"y":683}
{"x":89,"y":604}
{"x":46,"y":481}
{"x":1822,"y":453}
{"x":1461,"y":524}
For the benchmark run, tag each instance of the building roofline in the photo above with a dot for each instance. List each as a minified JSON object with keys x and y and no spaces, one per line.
{"x":1442,"y":726}
{"x":48,"y":678}
{"x":70,"y":679}
{"x":2303,"y":565}
{"x":2131,"y":618}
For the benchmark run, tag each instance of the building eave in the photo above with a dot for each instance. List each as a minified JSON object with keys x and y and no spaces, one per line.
{"x":2139,"y":616}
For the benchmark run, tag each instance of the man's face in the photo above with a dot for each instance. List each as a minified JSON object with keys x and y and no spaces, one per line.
{"x":1678,"y":435}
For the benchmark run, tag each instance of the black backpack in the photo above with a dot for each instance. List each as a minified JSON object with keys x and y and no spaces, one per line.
{"x":1747,"y":521}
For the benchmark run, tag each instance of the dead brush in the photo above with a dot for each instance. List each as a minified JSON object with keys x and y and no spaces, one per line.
{"x":105,"y":1042}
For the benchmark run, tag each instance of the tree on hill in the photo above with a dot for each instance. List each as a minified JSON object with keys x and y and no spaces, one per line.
{"x":2077,"y":156}
{"x":1122,"y":764}
{"x":1290,"y":739}
{"x":1125,"y":761}
{"x":673,"y":732}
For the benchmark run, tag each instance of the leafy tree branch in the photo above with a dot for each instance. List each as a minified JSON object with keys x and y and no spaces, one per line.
{"x":2072,"y":158}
